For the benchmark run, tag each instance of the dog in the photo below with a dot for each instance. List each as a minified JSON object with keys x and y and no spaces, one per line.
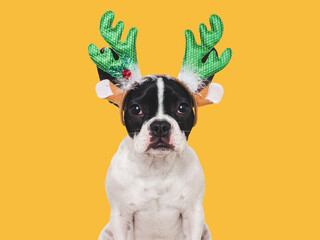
{"x":155,"y":183}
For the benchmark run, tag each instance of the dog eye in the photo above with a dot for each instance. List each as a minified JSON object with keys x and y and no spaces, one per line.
{"x":136,"y":109}
{"x":183,"y":108}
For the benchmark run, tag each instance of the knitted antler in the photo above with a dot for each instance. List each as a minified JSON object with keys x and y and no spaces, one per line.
{"x":201,"y":62}
{"x":119,"y":61}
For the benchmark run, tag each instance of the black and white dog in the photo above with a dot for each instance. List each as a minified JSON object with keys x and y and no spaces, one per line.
{"x":155,"y":183}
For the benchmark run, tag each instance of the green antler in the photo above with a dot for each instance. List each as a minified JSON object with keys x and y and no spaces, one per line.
{"x":202,"y":59}
{"x":126,"y":51}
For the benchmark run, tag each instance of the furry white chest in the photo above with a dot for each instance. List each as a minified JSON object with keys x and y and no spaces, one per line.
{"x":150,"y":194}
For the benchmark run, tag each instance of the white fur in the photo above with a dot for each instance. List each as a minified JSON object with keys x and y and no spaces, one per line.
{"x":156,"y":193}
{"x":160,"y":86}
{"x":215,"y":93}
{"x":103,"y":89}
{"x":135,"y":77}
{"x":155,"y":197}
{"x":190,"y":78}
{"x":193,"y":81}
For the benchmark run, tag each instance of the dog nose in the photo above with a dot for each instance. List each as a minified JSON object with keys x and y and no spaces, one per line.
{"x":160,"y":128}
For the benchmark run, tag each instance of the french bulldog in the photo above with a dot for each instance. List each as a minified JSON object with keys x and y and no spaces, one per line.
{"x":155,"y":183}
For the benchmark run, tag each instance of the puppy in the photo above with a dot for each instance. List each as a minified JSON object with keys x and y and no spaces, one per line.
{"x":155,"y":183}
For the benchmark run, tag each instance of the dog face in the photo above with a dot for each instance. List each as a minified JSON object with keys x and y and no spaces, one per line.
{"x":158,"y":114}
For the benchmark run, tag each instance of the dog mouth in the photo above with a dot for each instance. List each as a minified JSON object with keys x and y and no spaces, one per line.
{"x":160,"y":143}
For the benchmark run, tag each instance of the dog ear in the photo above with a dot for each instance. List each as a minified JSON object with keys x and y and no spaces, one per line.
{"x":202,"y":62}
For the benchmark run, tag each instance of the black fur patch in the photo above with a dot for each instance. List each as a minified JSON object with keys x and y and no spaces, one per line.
{"x":174,"y":95}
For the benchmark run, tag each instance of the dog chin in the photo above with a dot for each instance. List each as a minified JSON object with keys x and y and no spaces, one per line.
{"x":151,"y":146}
{"x":161,"y":151}
{"x":157,"y":147}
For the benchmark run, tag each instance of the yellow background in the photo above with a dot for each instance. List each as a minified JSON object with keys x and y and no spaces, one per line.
{"x":259,"y":147}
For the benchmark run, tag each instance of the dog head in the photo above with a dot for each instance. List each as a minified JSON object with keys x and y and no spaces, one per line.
{"x":157,"y":110}
{"x":158,"y":115}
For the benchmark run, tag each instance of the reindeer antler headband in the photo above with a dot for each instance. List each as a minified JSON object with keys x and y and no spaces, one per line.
{"x":120,"y":66}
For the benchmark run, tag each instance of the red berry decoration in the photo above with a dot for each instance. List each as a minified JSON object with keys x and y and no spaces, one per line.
{"x":126,"y":74}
